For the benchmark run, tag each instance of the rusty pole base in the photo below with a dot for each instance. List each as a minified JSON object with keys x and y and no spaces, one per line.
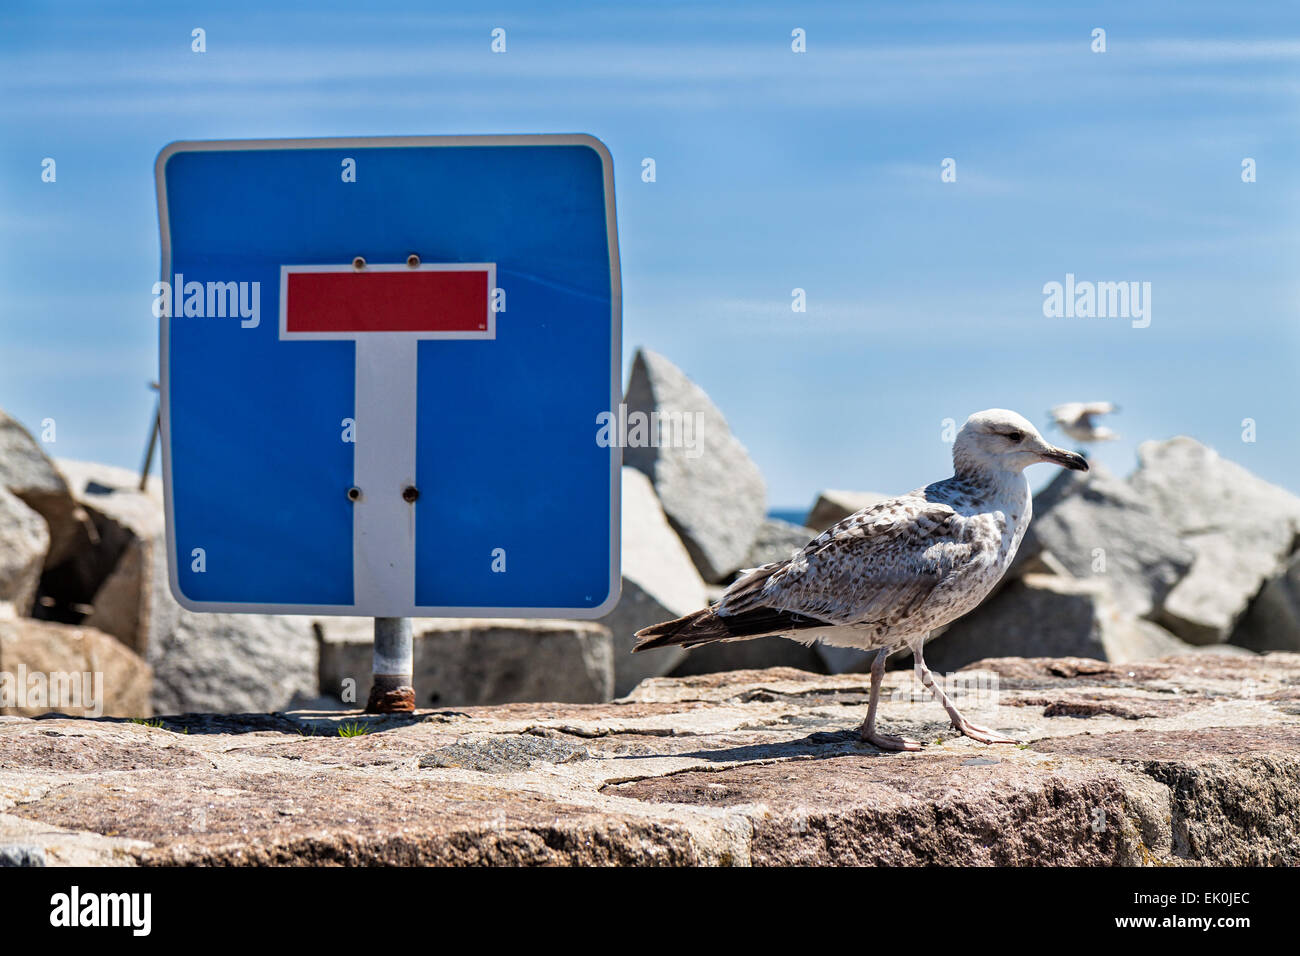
{"x":393,"y":690}
{"x":390,"y":699}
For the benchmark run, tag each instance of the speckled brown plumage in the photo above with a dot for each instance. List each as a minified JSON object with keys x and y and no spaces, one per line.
{"x":889,"y":574}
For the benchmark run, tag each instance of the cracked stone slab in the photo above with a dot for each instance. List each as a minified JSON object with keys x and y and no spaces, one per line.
{"x":31,"y":840}
{"x":1186,"y":760}
{"x":1234,"y":791}
{"x":503,"y":752}
{"x":926,"y":809}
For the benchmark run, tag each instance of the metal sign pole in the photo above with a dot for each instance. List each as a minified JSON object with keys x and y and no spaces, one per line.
{"x":392,"y":690}
{"x":153,"y":440}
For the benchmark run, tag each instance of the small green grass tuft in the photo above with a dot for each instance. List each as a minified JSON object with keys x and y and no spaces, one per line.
{"x":353,"y":730}
{"x":157,"y":724}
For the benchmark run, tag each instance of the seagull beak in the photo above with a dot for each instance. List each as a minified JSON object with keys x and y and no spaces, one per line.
{"x":1066,"y":459}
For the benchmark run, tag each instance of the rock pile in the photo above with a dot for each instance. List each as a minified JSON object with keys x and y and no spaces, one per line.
{"x":1189,"y":552}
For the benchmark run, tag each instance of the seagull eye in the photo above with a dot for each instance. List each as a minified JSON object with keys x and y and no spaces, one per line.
{"x":1015,"y":437}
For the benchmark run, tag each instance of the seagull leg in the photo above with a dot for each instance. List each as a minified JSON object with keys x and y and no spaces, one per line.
{"x":868,"y":729}
{"x":973,"y":731}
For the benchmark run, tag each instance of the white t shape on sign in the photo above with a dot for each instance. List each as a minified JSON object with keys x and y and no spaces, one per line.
{"x":386,"y":310}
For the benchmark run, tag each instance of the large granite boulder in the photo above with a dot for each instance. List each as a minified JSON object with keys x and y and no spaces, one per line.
{"x":832,"y":505}
{"x":461,"y":662}
{"x":201,"y":661}
{"x":1241,"y":528}
{"x":1042,"y":615}
{"x":1104,"y":529}
{"x":82,"y":671}
{"x":114,"y":574}
{"x":1064,"y":483}
{"x":233,"y":663}
{"x":777,"y":540}
{"x":1031,"y":556}
{"x":24,"y":540}
{"x":660,"y":582}
{"x":29,"y":473}
{"x":1272,"y":623}
{"x":709,"y":487}
{"x":220,"y":662}
{"x":230,"y":663}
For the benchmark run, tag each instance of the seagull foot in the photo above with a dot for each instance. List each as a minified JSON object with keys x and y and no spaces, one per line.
{"x":982,"y":734}
{"x":889,"y":741}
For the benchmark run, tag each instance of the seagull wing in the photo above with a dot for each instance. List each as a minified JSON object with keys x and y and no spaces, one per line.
{"x":1097,"y":408}
{"x":1068,"y":413}
{"x":1080,"y":412}
{"x":874,"y":567}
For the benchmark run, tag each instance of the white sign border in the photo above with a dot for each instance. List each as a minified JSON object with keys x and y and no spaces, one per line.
{"x":616,"y":384}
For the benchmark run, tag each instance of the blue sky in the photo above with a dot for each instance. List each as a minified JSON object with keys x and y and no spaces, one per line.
{"x":775,"y":170}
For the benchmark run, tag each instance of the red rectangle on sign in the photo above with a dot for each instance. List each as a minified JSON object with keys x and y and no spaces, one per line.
{"x":415,"y":300}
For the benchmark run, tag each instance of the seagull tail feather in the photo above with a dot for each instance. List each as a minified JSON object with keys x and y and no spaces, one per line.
{"x":699,"y":627}
{"x":706,"y":626}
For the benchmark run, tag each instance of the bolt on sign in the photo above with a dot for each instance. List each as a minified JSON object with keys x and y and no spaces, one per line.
{"x":383,"y":364}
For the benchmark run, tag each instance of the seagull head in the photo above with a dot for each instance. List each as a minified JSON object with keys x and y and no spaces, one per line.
{"x":998,"y":440}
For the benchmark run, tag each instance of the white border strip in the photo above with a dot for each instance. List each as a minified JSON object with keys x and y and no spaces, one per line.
{"x":615,"y":378}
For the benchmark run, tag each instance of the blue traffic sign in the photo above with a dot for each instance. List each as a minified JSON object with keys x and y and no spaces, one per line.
{"x":384,"y":366}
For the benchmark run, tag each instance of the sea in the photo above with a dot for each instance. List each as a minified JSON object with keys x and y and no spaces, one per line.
{"x":792,"y":515}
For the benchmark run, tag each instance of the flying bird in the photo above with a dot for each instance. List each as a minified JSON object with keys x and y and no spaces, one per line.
{"x":884,"y":577}
{"x":1075,"y":419}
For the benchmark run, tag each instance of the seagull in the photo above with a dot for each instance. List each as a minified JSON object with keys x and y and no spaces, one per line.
{"x":1075,"y":419}
{"x":886,"y":576}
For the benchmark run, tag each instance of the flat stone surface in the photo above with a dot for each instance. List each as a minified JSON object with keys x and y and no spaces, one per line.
{"x":1192,"y":759}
